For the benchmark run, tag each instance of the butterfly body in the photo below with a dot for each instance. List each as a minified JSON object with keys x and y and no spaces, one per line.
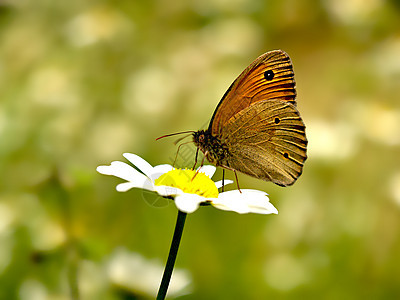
{"x":256,"y":128}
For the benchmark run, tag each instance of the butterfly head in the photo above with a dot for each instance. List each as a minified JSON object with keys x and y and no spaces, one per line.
{"x":211,"y":146}
{"x":199,"y":139}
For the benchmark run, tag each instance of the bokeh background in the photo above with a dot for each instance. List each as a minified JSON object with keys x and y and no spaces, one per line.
{"x":82,"y":82}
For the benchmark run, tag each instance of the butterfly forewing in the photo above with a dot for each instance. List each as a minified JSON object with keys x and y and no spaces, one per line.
{"x":266,"y":140}
{"x":269,"y":77}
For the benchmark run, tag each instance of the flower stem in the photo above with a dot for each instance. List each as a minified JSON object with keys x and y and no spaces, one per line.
{"x":169,"y":267}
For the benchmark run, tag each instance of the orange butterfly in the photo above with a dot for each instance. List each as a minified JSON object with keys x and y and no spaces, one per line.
{"x":256,"y":128}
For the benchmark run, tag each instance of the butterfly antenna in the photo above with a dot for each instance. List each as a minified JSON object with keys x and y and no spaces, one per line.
{"x":182,"y":138}
{"x":171,"y":134}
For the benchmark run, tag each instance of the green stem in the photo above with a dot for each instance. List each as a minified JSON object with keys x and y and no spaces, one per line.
{"x":173,"y":251}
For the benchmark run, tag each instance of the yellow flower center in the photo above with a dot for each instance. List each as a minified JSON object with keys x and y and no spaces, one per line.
{"x":189,"y":182}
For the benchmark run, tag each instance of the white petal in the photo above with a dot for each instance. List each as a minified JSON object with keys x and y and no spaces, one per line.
{"x":139,"y":163}
{"x":249,"y":201}
{"x":146,"y":185}
{"x":188,"y":203}
{"x":165,"y":190}
{"x":122,"y":170}
{"x":209,"y":170}
{"x":226,"y":181}
{"x":159,"y":170}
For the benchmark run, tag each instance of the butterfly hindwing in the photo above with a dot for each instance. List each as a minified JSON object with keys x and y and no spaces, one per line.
{"x":266,"y":140}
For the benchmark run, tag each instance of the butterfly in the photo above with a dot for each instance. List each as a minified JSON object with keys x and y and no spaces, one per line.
{"x":256,"y":128}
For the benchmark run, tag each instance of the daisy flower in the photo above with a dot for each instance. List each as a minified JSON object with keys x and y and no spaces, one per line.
{"x":188,"y":188}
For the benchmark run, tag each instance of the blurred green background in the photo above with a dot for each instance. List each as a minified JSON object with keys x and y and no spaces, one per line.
{"x":82,"y":82}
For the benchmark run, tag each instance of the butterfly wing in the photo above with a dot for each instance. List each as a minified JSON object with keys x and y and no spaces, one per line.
{"x":270,"y":76}
{"x":266,"y":140}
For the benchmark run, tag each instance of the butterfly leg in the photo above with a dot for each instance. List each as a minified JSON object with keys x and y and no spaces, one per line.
{"x":195,"y":159}
{"x":202,"y":163}
{"x":223,"y":180}
{"x":237,"y":181}
{"x":177,"y":152}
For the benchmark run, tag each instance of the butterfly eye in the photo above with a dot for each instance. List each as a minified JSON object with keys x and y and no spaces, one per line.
{"x":269,"y":75}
